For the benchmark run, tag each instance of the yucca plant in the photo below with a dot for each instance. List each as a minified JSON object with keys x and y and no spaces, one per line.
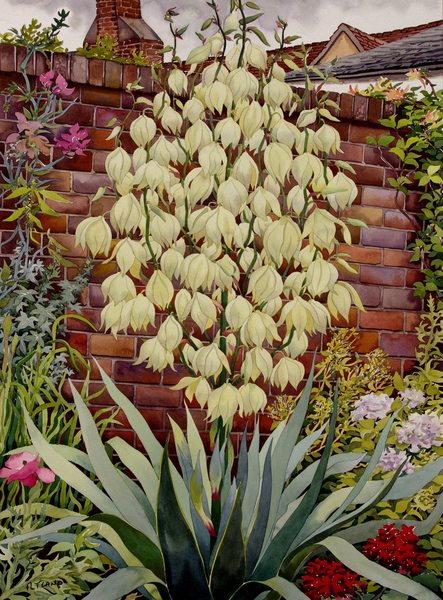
{"x":209,"y":534}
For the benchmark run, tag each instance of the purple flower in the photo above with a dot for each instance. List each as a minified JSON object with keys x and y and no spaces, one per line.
{"x":46,"y":79}
{"x":24,"y":467}
{"x":412,"y":397}
{"x":73,"y":142}
{"x":372,"y":406}
{"x":390,"y":460}
{"x":62,"y":86}
{"x":421,"y":431}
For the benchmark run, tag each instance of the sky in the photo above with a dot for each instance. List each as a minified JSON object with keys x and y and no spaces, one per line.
{"x":313,"y":20}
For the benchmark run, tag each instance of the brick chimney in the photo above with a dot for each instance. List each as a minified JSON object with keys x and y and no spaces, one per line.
{"x":122,"y":20}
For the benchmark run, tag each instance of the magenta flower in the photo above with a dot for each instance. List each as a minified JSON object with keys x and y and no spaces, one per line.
{"x":24,"y":467}
{"x":73,"y":142}
{"x":46,"y":79}
{"x":62,"y":86}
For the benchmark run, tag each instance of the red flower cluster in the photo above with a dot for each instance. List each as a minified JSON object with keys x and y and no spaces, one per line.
{"x":326,"y":578}
{"x":396,"y":550}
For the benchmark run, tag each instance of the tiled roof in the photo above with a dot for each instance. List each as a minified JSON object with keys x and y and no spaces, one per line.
{"x":367,"y":41}
{"x":422,"y":50}
{"x":399,"y":34}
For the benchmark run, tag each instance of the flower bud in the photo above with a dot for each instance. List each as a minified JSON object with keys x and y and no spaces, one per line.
{"x":209,"y":361}
{"x":230,"y":24}
{"x":170,"y":262}
{"x":218,"y":96}
{"x":232,"y":195}
{"x":130,"y":255}
{"x":226,"y":273}
{"x":139,"y":158}
{"x":278,"y":160}
{"x":203,"y":311}
{"x":197,"y":271}
{"x":297,"y":346}
{"x":199,"y":54}
{"x":256,"y":56}
{"x":265,"y":284}
{"x":142,"y":312}
{"x":159,"y":289}
{"x":287,"y":370}
{"x":142,"y":130}
{"x":278,"y":72}
{"x":296,"y":199}
{"x":216,"y":42}
{"x":209,"y":73}
{"x":304,"y":167}
{"x":95,"y":233}
{"x":277,"y":93}
{"x":327,"y":138}
{"x":181,"y":302}
{"x":307,"y":117}
{"x":346,"y":191}
{"x":320,"y":276}
{"x":251,"y":119}
{"x":253,"y":399}
{"x":164,"y":152}
{"x":197,"y":136}
{"x":171,"y":120}
{"x":250,"y":257}
{"x":220,"y":223}
{"x":237,"y":311}
{"x":118,"y":287}
{"x":242,"y":84}
{"x":282,"y":239}
{"x":263,"y":202}
{"x":212,"y":159}
{"x":170,"y":334}
{"x":233,"y":57}
{"x":229,"y":132}
{"x":285,"y":133}
{"x":160,"y":103}
{"x":223,"y":402}
{"x":246,"y":171}
{"x":257,"y":363}
{"x":126,"y":214}
{"x":273,"y":306}
{"x":117,"y":164}
{"x":178,"y":82}
{"x":164,"y":229}
{"x":158,"y":358}
{"x":193,"y":110}
{"x":257,"y":328}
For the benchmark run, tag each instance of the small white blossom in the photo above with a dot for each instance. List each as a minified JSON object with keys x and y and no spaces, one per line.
{"x":372,"y":406}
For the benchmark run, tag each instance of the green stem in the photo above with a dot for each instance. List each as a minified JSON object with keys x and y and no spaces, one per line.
{"x":291,"y":335}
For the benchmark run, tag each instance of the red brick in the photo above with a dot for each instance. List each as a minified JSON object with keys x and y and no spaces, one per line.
{"x":68,"y":241}
{"x":91,"y":314}
{"x":106,"y":345}
{"x":104,"y":115}
{"x":154,"y":418}
{"x":384,"y":238}
{"x":102,"y":205}
{"x":99,"y":162}
{"x":113,"y":74}
{"x":7,"y":225}
{"x":146,"y":80}
{"x":351,"y":152}
{"x":179,"y":416}
{"x":413,"y":203}
{"x":346,"y":106}
{"x":7,"y":57}
{"x":98,"y":139}
{"x":78,"y":113}
{"x":93,"y":95}
{"x":340,"y":321}
{"x":369,"y":256}
{"x":414,"y":276}
{"x":354,"y":231}
{"x":409,"y":366}
{"x":157,"y":396}
{"x":129,"y":74}
{"x":95,"y":295}
{"x":105,"y":397}
{"x":79,"y":69}
{"x":383,"y":198}
{"x":401,"y":299}
{"x":382,"y":276}
{"x":171,"y":377}
{"x":359,"y":133}
{"x":102,"y":271}
{"x":128,"y":436}
{"x":393,"y":258}
{"x":389,"y":109}
{"x":375,"y":110}
{"x":106,"y":365}
{"x":369,"y":295}
{"x":367,"y":341}
{"x":79,"y":341}
{"x":78,"y":205}
{"x":370,"y":216}
{"x":412,"y":321}
{"x":60,"y":64}
{"x":399,"y":344}
{"x":367,"y":175}
{"x":88,"y":183}
{"x":360,"y":108}
{"x":125,"y":371}
{"x":240,"y":423}
{"x":96,"y":71}
{"x":398,"y":220}
{"x":376,"y":319}
{"x":383,"y":159}
{"x":60,"y":181}
{"x":77,"y":163}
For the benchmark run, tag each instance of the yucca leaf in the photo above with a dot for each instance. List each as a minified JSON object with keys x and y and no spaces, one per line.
{"x":184,"y":568}
{"x":279,"y":546}
{"x":224,"y":519}
{"x":257,"y":535}
{"x":109,"y":476}
{"x":300,"y":450}
{"x":228,"y":568}
{"x":122,"y":582}
{"x":285,"y":588}
{"x":36,"y":508}
{"x":141,"y":468}
{"x":198,"y":454}
{"x":356,"y":561}
{"x":249,"y":500}
{"x":137,"y":542}
{"x":68,"y":472}
{"x":282,"y":451}
{"x":47,"y":529}
{"x":242,"y":465}
{"x":408,"y":485}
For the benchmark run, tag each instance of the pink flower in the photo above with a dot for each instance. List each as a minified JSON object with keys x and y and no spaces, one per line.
{"x":62,"y":86}
{"x":46,"y":79}
{"x":73,"y":142}
{"x":24,"y":467}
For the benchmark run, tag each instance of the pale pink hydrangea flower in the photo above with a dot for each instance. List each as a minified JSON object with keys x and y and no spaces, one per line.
{"x":372,"y":406}
{"x":412,"y":397}
{"x":421,"y":431}
{"x":390,"y":460}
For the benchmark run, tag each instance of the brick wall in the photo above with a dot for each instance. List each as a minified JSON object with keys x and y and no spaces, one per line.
{"x":385,"y":277}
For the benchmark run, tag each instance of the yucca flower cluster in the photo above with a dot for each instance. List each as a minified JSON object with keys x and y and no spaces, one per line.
{"x":229,"y":217}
